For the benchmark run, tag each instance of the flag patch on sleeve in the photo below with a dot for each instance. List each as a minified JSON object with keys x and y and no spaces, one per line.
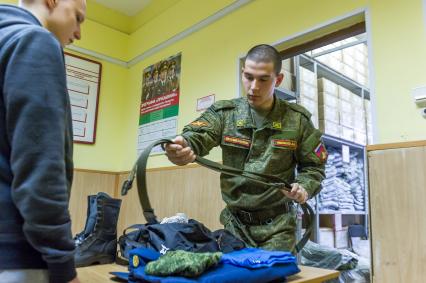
{"x":321,"y":152}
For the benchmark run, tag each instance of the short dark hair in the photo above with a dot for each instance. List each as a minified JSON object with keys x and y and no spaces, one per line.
{"x":265,"y":53}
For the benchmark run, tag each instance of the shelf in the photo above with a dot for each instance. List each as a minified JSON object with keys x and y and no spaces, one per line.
{"x":285,"y":94}
{"x":324,"y":71}
{"x":337,"y":142}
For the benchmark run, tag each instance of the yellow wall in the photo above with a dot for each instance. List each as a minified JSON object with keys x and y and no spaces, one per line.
{"x":399,"y":54}
{"x":209,"y":63}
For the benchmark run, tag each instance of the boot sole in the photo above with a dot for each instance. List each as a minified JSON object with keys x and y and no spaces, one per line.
{"x":103,"y":259}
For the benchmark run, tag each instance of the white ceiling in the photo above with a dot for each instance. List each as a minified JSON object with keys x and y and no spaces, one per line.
{"x":128,"y":7}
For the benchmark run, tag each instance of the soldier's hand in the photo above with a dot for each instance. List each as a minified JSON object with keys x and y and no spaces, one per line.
{"x":179,"y":152}
{"x":297,"y":193}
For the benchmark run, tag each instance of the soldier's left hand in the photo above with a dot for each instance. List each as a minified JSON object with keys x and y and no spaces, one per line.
{"x":297,"y":193}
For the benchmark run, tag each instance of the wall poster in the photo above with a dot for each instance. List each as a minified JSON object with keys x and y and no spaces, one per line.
{"x":159,"y":102}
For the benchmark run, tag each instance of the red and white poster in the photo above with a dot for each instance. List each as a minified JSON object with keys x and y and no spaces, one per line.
{"x":159,"y":102}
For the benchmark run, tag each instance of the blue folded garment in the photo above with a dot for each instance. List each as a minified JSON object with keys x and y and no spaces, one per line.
{"x":281,"y":265}
{"x":223,"y":273}
{"x":256,"y":258}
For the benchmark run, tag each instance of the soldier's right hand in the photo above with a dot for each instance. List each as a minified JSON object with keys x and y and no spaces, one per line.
{"x":179,"y":152}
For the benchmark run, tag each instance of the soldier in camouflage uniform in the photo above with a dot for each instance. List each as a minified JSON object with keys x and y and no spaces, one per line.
{"x":264,"y":134}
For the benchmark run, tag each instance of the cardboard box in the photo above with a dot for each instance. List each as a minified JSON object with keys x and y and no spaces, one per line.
{"x":330,"y":128}
{"x":326,"y":237}
{"x":338,"y":55}
{"x":329,"y":113}
{"x":335,"y":64}
{"x":288,"y":81}
{"x":328,"y":99}
{"x":360,"y":56}
{"x":362,"y":48}
{"x":346,"y":119}
{"x":361,"y":79}
{"x":345,"y":94}
{"x":347,"y":133}
{"x":349,"y":51}
{"x":370,"y":139}
{"x":345,"y":106}
{"x":310,"y":104}
{"x":369,"y":128}
{"x":360,"y":67}
{"x":367,"y":106}
{"x":325,"y":59}
{"x":360,"y":137}
{"x":287,"y":65}
{"x":341,"y":239}
{"x":325,"y":85}
{"x":348,"y":71}
{"x":315,"y":120}
{"x":357,"y":101}
{"x":359,"y":124}
{"x":307,"y":76}
{"x":308,"y":90}
{"x":348,"y":59}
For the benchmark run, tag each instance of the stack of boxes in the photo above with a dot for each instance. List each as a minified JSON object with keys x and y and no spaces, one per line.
{"x":346,"y":113}
{"x":341,"y":112}
{"x":336,"y":110}
{"x":287,"y":71}
{"x":351,"y":61}
{"x":332,"y":59}
{"x":328,"y":108}
{"x":309,"y":93}
{"x":367,"y":107}
{"x":360,"y":133}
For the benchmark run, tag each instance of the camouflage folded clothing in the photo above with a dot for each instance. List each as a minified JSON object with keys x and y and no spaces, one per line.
{"x":182,"y":263}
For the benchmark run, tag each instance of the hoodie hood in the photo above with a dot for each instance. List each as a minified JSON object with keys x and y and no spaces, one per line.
{"x":14,"y":15}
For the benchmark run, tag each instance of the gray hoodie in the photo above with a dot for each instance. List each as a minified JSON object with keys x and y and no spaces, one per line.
{"x":35,"y":149}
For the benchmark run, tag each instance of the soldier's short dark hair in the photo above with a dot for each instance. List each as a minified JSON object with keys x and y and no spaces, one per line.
{"x":265,"y":53}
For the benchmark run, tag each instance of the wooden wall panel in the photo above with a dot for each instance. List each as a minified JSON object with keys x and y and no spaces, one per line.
{"x":397,"y":206}
{"x":194,"y":191}
{"x":87,"y":183}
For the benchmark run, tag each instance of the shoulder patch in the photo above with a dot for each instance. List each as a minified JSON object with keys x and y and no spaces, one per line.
{"x":223,"y":104}
{"x":300,"y":109}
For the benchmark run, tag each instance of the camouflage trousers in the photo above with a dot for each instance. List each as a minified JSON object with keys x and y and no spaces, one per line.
{"x":277,"y":234}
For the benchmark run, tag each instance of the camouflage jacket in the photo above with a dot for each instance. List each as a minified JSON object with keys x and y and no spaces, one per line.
{"x":287,"y":141}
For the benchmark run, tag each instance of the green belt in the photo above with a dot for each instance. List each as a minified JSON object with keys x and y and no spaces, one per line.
{"x":139,"y":170}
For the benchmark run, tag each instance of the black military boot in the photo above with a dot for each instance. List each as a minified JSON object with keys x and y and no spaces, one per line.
{"x":100,"y":244}
{"x":90,"y":221}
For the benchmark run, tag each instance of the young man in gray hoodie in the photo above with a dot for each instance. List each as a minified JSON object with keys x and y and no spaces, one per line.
{"x":36,"y":165}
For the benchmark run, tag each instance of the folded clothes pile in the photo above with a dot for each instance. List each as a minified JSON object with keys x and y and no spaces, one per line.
{"x":247,"y":265}
{"x":343,"y":187}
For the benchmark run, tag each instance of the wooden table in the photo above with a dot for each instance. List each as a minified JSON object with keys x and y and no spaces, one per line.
{"x":100,"y":274}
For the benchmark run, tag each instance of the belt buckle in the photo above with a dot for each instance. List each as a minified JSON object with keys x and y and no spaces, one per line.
{"x":246,"y":215}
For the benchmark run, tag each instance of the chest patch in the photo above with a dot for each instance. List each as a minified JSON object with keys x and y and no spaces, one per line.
{"x":237,"y":141}
{"x":290,"y":144}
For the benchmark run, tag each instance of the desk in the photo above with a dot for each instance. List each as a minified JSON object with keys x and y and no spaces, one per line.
{"x":100,"y":274}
